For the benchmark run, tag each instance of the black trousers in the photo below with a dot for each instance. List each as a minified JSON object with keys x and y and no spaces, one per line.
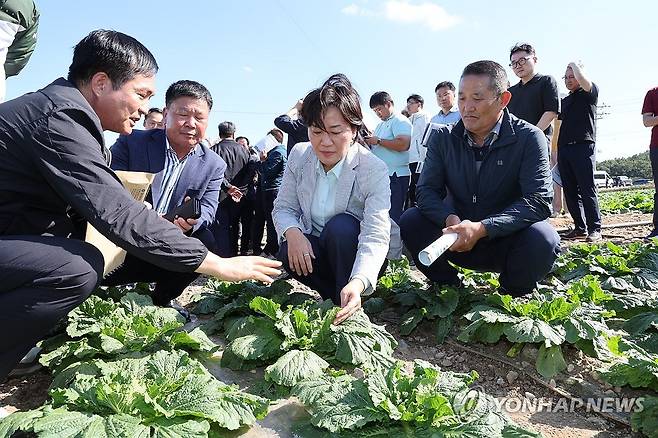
{"x":43,"y":279}
{"x":411,"y":194}
{"x":335,"y":253}
{"x":577,"y":163}
{"x":522,"y":258}
{"x":262,"y":219}
{"x":168,"y":284}
{"x":226,"y":228}
{"x":247,"y":211}
{"x":653,"y":156}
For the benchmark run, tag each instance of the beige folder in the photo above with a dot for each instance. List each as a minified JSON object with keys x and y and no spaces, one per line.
{"x":137,"y":183}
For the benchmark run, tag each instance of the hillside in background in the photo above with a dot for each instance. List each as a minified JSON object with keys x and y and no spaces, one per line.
{"x":635,"y":166}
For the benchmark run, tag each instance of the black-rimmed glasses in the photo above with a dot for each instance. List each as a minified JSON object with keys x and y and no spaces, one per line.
{"x":520,"y":62}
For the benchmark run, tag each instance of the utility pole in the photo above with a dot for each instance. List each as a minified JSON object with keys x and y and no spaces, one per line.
{"x":602,"y":110}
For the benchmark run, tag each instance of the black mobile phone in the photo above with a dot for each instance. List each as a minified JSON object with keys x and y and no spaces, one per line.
{"x":187,"y":210}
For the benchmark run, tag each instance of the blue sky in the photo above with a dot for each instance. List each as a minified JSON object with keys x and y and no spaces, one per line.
{"x":258,"y":57}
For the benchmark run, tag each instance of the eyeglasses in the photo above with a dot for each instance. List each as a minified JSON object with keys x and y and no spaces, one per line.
{"x":520,"y":62}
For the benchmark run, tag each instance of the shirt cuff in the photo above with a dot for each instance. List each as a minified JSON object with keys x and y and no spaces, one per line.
{"x":367,"y":290}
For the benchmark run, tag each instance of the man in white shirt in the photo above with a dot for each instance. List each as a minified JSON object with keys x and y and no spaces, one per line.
{"x":445,"y":98}
{"x":419,"y":120}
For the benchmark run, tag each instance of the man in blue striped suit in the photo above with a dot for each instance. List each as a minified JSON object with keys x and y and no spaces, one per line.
{"x":184,"y":167}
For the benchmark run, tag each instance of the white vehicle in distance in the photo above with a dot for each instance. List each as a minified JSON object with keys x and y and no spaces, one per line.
{"x":602,"y":179}
{"x":623,"y":181}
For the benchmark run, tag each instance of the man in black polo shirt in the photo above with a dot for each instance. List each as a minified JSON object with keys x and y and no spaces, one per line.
{"x":576,"y":153}
{"x":535,"y":98}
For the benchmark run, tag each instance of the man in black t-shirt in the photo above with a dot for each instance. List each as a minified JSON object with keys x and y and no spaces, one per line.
{"x":576,"y":153}
{"x":535,"y":98}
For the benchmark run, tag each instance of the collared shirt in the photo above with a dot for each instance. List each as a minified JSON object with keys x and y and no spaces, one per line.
{"x":450,"y":118}
{"x":173,"y":167}
{"x":324,"y":203}
{"x":419,"y":122}
{"x":531,"y":100}
{"x":397,"y":162}
{"x":481,"y":151}
{"x":324,"y":195}
{"x":578,"y":115}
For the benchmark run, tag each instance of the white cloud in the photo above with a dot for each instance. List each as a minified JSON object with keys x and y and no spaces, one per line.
{"x":351,"y":9}
{"x":355,"y":9}
{"x":247,"y":69}
{"x":426,"y":14}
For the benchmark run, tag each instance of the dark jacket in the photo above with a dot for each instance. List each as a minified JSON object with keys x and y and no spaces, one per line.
{"x":25,"y":14}
{"x":273,"y":167}
{"x":295,"y":128}
{"x":52,"y":162}
{"x":144,"y":151}
{"x":238,"y":171}
{"x":512,"y":191}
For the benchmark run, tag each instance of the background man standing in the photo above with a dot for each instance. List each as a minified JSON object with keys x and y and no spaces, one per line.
{"x":650,"y":120}
{"x":576,"y":153}
{"x":153,"y":119}
{"x":535,"y":99}
{"x":236,"y":182}
{"x":293,"y":124}
{"x":390,"y":143}
{"x":419,"y":120}
{"x":445,"y":98}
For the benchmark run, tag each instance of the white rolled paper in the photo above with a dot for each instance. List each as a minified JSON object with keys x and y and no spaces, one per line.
{"x":436,"y":248}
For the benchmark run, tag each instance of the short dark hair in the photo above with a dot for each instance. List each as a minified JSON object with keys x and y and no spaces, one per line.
{"x":245,"y":139}
{"x":226,"y":129}
{"x":522,"y":47}
{"x":153,"y":110}
{"x":417,"y":98}
{"x":337,"y":91}
{"x":446,"y":84}
{"x":497,"y":76}
{"x":277,"y":133}
{"x":118,"y":55}
{"x":187,"y":88}
{"x":380,"y":98}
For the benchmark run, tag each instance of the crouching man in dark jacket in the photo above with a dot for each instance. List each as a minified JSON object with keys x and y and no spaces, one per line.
{"x":487,"y":179}
{"x":53,"y":172}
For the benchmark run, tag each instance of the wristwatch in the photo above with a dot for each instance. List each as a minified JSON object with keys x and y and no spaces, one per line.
{"x":379,"y":141}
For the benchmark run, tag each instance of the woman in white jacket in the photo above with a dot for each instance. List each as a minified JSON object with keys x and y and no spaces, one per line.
{"x":333,"y":203}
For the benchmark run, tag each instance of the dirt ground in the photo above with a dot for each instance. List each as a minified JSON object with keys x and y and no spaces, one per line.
{"x":511,"y":381}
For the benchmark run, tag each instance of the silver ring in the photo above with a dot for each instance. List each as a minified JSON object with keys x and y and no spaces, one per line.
{"x":306,"y":254}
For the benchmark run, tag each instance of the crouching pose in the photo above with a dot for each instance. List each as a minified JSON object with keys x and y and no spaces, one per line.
{"x":332,"y":207}
{"x":54,"y":178}
{"x":487,"y":179}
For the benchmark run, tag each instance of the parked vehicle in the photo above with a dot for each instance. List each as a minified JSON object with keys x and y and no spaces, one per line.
{"x":640,"y":181}
{"x":602,"y":179}
{"x":623,"y":181}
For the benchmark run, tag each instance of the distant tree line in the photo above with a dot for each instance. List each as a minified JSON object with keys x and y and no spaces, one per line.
{"x":636,"y":166}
